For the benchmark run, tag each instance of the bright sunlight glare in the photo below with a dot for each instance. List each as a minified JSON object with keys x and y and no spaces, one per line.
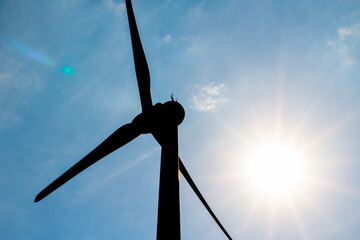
{"x":275,"y":169}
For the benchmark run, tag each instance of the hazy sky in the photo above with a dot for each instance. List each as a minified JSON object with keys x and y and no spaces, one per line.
{"x":246,"y":72}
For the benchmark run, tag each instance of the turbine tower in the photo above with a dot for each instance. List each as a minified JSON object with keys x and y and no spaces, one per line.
{"x":160,"y":120}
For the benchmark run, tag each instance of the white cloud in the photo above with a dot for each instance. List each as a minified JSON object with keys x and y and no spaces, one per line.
{"x":208,"y":97}
{"x":167,"y":38}
{"x":19,"y":81}
{"x":4,"y":78}
{"x":17,"y":87}
{"x":353,"y":31}
{"x":117,"y":8}
{"x":346,"y":45}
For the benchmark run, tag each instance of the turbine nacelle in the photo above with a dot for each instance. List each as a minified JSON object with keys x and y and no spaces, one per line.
{"x":159,"y":117}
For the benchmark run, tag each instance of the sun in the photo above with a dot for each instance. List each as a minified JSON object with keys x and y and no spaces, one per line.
{"x":275,"y":169}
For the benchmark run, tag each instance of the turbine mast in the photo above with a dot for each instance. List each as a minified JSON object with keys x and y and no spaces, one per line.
{"x":168,"y":225}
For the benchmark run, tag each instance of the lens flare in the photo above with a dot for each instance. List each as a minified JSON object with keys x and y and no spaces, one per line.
{"x":27,"y":51}
{"x":67,"y":70}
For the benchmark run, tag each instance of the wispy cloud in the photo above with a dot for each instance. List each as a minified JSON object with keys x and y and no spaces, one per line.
{"x":167,"y":38}
{"x":347,"y":43}
{"x":117,"y":8}
{"x":17,"y":87}
{"x":353,"y":31}
{"x":4,"y":78}
{"x":208,"y":97}
{"x":9,"y":81}
{"x":7,"y":119}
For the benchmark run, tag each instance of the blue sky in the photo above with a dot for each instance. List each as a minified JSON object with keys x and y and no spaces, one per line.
{"x":245,"y":72}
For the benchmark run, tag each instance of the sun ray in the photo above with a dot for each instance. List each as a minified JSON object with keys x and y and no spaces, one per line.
{"x":318,"y":210}
{"x":297,"y":219}
{"x":270,"y":221}
{"x":332,"y":130}
{"x":335,"y":186}
{"x":251,"y":216}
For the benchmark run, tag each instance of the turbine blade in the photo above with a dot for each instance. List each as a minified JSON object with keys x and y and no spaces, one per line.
{"x":119,"y":138}
{"x":168,"y":226}
{"x":202,"y":199}
{"x":141,"y":67}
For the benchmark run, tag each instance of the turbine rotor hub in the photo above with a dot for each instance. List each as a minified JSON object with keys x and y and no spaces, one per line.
{"x":160,"y":117}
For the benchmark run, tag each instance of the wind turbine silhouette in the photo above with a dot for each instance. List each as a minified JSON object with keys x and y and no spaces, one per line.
{"x":161,"y":120}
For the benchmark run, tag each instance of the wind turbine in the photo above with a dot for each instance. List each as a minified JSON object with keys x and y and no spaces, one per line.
{"x":161,"y":120}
